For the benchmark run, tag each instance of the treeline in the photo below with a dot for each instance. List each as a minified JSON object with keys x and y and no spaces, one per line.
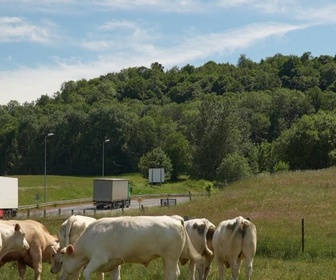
{"x":218,"y":121}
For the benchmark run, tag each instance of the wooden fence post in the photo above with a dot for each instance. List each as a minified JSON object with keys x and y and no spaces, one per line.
{"x":302,"y":235}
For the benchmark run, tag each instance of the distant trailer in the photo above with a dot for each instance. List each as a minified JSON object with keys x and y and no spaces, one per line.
{"x":9,"y":197}
{"x":111,"y":193}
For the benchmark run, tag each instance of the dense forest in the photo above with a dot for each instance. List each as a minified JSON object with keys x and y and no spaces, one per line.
{"x":218,"y":121}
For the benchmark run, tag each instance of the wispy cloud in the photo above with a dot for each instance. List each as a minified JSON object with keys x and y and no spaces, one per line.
{"x":117,"y":35}
{"x":319,"y":15}
{"x":17,"y":29}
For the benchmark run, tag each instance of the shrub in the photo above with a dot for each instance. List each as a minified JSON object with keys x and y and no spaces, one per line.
{"x":281,"y":166}
{"x":233,"y":167}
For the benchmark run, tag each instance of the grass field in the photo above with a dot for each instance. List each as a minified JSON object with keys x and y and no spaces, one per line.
{"x":275,"y":203}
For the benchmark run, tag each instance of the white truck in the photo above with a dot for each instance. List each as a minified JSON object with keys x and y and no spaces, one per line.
{"x":111,"y":193}
{"x":9,"y":197}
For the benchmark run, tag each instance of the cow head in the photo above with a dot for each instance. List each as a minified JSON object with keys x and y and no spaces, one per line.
{"x":56,"y":260}
{"x":71,"y":266}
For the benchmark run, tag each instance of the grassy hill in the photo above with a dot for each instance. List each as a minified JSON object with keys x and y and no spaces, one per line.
{"x":276,"y":204}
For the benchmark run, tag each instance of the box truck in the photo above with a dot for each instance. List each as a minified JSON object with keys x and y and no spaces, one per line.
{"x":9,"y":197}
{"x":111,"y":193}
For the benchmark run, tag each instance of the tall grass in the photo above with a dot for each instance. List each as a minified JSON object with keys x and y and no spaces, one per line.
{"x":276,"y":204}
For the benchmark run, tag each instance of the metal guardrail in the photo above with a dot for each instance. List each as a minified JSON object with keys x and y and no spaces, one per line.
{"x":56,"y":203}
{"x":86,"y":200}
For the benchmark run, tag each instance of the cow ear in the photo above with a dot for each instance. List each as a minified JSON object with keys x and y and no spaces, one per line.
{"x":70,"y":249}
{"x":63,"y":251}
{"x":54,"y":249}
{"x":17,"y":227}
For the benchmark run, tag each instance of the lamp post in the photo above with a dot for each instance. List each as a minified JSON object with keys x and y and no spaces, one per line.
{"x":45,"y":165}
{"x":103,"y":165}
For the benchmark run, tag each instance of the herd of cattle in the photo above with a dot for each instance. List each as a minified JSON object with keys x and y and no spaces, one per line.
{"x":85,"y":245}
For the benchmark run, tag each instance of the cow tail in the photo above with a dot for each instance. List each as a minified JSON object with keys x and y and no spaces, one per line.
{"x":191,"y":249}
{"x":243,"y":227}
{"x":67,"y":231}
{"x":208,"y":236}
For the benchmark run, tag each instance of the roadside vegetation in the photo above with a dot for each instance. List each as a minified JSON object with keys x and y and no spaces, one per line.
{"x":276,"y":203}
{"x":61,"y":188}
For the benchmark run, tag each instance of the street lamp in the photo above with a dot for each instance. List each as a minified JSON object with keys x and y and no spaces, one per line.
{"x":103,"y":165}
{"x":45,"y":165}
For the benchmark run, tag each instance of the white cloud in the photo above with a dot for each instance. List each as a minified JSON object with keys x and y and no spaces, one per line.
{"x":17,"y":29}
{"x":319,"y":15}
{"x":112,"y":25}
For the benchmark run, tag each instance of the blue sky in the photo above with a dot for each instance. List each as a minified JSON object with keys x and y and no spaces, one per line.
{"x":46,"y":43}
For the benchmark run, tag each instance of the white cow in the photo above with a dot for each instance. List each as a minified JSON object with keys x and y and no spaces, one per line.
{"x":110,"y":242}
{"x":68,"y":233}
{"x":200,"y":232}
{"x":70,"y":230}
{"x":234,"y":240}
{"x":12,"y":238}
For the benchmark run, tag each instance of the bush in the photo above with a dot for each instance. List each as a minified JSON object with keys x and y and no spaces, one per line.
{"x":155,"y":159}
{"x":281,"y":166}
{"x":233,"y":167}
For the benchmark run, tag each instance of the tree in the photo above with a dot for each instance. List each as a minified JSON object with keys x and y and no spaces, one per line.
{"x":309,"y":143}
{"x":176,"y":146}
{"x":155,"y":159}
{"x":233,"y":167}
{"x":287,"y":106}
{"x":218,"y":131}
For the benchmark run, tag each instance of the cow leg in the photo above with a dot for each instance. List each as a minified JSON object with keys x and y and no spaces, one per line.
{"x":192,"y":269}
{"x":200,"y":266}
{"x":100,"y":275}
{"x":221,"y":269}
{"x":115,"y":273}
{"x":171,"y":269}
{"x":92,"y":266}
{"x":235,"y":269}
{"x":207,"y":267}
{"x":22,"y":269}
{"x":248,"y":268}
{"x":37,"y":265}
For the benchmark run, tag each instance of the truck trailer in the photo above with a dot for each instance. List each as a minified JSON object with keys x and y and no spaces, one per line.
{"x":9,"y":197}
{"x":111,"y":193}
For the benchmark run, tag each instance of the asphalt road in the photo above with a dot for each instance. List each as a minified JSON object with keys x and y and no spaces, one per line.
{"x":89,"y":209}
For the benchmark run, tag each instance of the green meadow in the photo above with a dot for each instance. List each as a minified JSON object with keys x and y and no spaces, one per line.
{"x":276,"y":203}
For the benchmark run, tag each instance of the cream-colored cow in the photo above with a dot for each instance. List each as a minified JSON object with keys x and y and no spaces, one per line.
{"x":12,"y":238}
{"x":233,"y":241}
{"x":41,"y":244}
{"x":200,"y":232}
{"x":109,"y":242}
